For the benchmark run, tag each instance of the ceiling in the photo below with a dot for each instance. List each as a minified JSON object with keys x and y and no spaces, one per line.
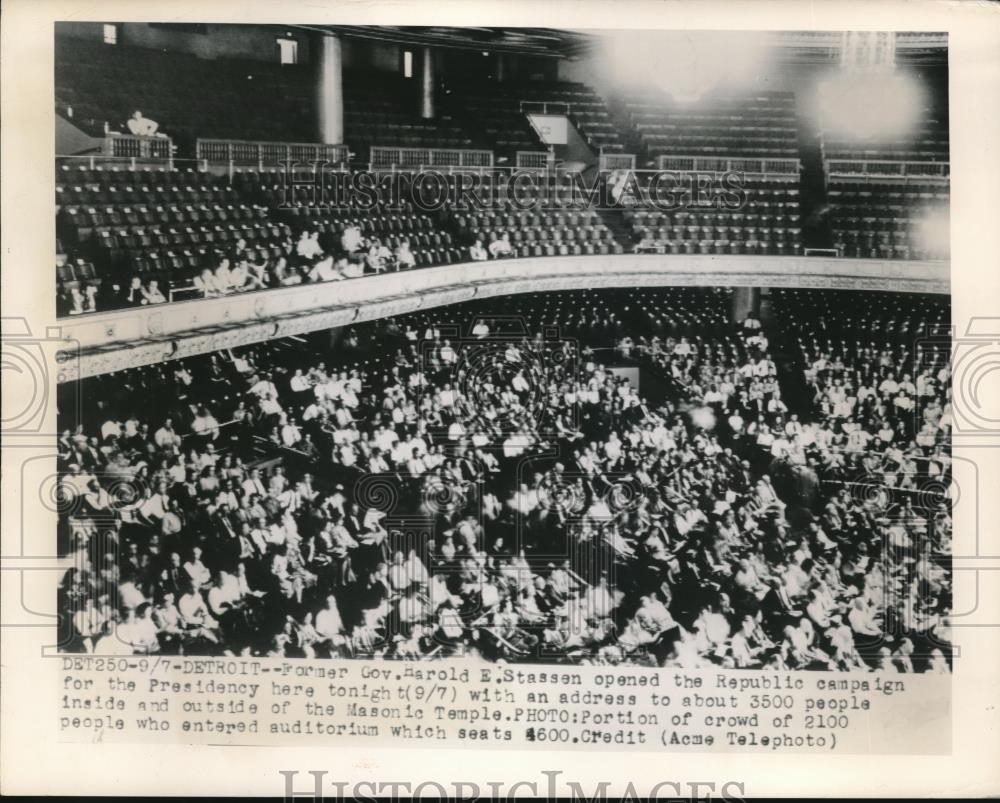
{"x":525,"y":41}
{"x":813,"y":47}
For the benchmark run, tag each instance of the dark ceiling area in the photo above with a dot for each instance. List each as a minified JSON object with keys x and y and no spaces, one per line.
{"x":811,"y":47}
{"x":527,"y":41}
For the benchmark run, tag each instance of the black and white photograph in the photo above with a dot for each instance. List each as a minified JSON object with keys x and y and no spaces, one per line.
{"x":441,"y":400}
{"x":681,"y":473}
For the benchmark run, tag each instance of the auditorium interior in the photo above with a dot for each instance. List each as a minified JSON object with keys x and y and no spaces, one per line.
{"x":516,"y":344}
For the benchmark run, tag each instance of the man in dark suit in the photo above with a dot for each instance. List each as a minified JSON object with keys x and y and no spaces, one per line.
{"x":778,"y":608}
{"x":353,"y":521}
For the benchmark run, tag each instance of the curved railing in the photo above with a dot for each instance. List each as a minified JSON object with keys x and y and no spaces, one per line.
{"x":169,"y":331}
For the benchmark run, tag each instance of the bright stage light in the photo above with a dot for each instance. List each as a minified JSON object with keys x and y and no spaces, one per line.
{"x":686,"y":64}
{"x":870,"y":105}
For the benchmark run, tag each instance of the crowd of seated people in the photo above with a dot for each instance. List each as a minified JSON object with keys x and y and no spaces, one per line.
{"x":873,"y":374}
{"x":454,"y":482}
{"x":135,"y":237}
{"x":315,"y":256}
{"x":876,"y":366}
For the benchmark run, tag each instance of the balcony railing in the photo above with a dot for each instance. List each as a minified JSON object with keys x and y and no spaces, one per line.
{"x":111,"y":341}
{"x":721,"y":164}
{"x":247,"y":152}
{"x":383,"y":157}
{"x":886,"y":169}
{"x":544,"y":107}
{"x":132,"y":147}
{"x":534,"y":159}
{"x":617,"y":161}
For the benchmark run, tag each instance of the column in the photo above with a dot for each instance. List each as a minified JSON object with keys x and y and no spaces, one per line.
{"x":499,"y":69}
{"x":427,"y":84}
{"x":746,"y":300}
{"x":329,"y":89}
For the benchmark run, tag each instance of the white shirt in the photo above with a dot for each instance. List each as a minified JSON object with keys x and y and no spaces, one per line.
{"x":499,"y":248}
{"x":142,"y":127}
{"x":329,"y":624}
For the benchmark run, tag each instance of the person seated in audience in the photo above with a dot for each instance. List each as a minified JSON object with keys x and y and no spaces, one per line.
{"x":205,"y":427}
{"x":404,"y":256}
{"x":258,"y":276}
{"x":238,"y":277}
{"x":75,"y":303}
{"x":501,"y":247}
{"x":283,"y":274}
{"x":379,"y":256}
{"x":481,"y":329}
{"x":151,"y":294}
{"x":352,"y":268}
{"x":133,"y":295}
{"x":351,"y":239}
{"x":308,"y":246}
{"x":143,"y":126}
{"x":195,"y":619}
{"x":206,"y":284}
{"x":223,"y":278}
{"x":90,"y":297}
{"x":476,"y":251}
{"x":325,"y":271}
{"x":239,"y":251}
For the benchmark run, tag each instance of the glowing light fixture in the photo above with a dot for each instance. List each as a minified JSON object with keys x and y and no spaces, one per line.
{"x":871,"y":105}
{"x":868,"y":98}
{"x":686,"y":64}
{"x":933,"y":233}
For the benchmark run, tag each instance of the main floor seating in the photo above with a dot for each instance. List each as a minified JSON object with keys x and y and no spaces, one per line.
{"x":577,"y":417}
{"x":859,"y":338}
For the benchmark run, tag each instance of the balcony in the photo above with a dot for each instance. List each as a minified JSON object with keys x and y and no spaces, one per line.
{"x":121,"y":339}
